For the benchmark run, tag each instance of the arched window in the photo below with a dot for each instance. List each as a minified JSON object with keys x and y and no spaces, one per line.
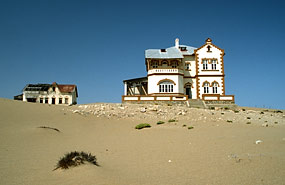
{"x":166,"y":87}
{"x":215,"y":87}
{"x":206,"y":86}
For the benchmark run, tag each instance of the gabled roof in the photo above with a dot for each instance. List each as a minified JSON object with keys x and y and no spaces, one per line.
{"x":66,"y":88}
{"x":172,"y":52}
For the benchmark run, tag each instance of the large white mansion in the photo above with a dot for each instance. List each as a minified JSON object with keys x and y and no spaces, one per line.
{"x":180,"y":73}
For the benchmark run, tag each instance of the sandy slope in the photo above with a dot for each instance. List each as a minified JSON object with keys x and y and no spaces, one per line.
{"x":214,"y":152}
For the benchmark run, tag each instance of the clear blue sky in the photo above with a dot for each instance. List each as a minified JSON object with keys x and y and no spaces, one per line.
{"x":97,"y":45}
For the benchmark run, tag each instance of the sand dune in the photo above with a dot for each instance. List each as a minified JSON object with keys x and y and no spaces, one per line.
{"x":221,"y":149}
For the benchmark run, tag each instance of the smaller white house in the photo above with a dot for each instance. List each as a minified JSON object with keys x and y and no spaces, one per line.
{"x":50,"y":93}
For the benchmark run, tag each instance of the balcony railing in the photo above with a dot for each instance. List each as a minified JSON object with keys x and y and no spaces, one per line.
{"x":152,"y":71}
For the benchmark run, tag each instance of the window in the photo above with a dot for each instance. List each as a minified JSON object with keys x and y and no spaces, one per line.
{"x":66,"y":100}
{"x":209,"y":48}
{"x":214,"y":64}
{"x":163,"y":50}
{"x":166,"y":87}
{"x":188,"y":66}
{"x":154,"y":64}
{"x":53,"y":88}
{"x":206,"y":88}
{"x":174,"y":64}
{"x":60,"y":101}
{"x":205,"y":64}
{"x":41,"y":100}
{"x":215,"y":88}
{"x":46,"y":100}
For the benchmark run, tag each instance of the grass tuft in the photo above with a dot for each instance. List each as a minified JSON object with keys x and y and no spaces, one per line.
{"x":142,"y":125}
{"x":160,"y":122}
{"x":172,"y":120}
{"x":75,"y":159}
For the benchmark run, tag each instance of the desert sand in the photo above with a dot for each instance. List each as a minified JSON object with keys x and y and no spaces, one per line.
{"x":242,"y":146}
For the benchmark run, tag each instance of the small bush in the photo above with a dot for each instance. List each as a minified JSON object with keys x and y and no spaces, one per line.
{"x":226,"y":108}
{"x":248,"y":118}
{"x":243,"y":109}
{"x":160,"y":122}
{"x":261,"y":112}
{"x":190,"y":127}
{"x":142,"y":125}
{"x":212,"y":108}
{"x":222,"y":113}
{"x":276,"y":122}
{"x":184,"y":125}
{"x":229,"y":121}
{"x":236,"y":111}
{"x":248,"y":123}
{"x":277,"y":111}
{"x":75,"y":159}
{"x":171,"y":120}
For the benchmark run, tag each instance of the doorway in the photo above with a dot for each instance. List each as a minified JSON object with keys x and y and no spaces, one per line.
{"x":53,"y":100}
{"x":188,"y":91}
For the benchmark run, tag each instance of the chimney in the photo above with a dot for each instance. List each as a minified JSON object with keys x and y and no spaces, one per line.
{"x":177,"y":43}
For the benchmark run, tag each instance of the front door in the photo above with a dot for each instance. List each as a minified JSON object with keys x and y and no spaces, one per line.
{"x":188,"y":92}
{"x":53,"y":101}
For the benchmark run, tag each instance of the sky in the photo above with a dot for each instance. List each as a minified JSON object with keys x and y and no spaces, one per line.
{"x":98,"y":44}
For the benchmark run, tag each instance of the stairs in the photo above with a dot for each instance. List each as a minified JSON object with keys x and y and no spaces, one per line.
{"x":196,"y":103}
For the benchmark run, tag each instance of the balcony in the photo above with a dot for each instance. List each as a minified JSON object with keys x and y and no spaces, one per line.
{"x":165,"y":71}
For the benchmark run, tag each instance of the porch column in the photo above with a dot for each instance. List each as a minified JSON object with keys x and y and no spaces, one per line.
{"x":125,"y":89}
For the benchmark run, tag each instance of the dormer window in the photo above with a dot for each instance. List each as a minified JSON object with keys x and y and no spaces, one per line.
{"x":183,"y":48}
{"x":163,"y":50}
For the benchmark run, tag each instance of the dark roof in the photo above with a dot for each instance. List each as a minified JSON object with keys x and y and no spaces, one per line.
{"x":37,"y":87}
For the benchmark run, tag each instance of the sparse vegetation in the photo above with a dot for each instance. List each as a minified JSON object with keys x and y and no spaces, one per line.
{"x":49,"y":128}
{"x":172,"y":120}
{"x":74,"y":159}
{"x":190,"y":127}
{"x":160,"y":122}
{"x":142,"y":125}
